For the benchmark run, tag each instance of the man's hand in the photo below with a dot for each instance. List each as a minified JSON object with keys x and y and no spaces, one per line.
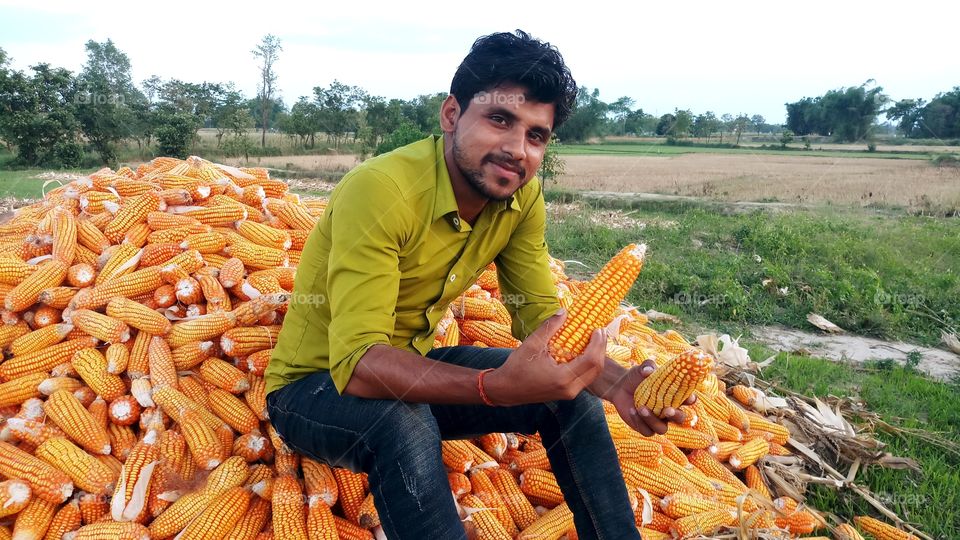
{"x":531,"y":375}
{"x":643,"y":420}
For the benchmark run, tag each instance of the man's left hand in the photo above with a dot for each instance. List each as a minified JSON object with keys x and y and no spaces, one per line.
{"x":643,"y":420}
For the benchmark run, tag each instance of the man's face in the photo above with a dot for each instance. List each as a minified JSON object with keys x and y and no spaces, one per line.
{"x":499,"y":141}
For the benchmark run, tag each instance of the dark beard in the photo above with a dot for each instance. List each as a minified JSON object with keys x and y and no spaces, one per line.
{"x":475,"y":176}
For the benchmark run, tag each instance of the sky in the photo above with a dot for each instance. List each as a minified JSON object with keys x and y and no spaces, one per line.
{"x":726,"y":57}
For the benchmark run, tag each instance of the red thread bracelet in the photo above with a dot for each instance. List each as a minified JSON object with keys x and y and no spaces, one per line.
{"x":483,"y":395}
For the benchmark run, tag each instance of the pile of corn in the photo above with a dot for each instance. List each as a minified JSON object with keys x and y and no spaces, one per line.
{"x":139,"y":312}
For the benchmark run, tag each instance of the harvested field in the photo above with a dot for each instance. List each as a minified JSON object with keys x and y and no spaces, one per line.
{"x":758,"y":177}
{"x":325,"y":163}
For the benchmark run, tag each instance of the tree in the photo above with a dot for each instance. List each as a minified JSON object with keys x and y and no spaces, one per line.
{"x":175,"y":131}
{"x":906,"y":113}
{"x":726,"y":124}
{"x":586,"y":119}
{"x":267,"y":52}
{"x":939,"y":118}
{"x":105,"y":95}
{"x":424,"y":112}
{"x":740,"y":124}
{"x":36,"y":115}
{"x":338,"y":106}
{"x":665,"y":125}
{"x":705,"y":124}
{"x":758,"y":122}
{"x":847,"y":114}
{"x":638,"y":122}
{"x":405,"y":134}
{"x":302,"y":121}
{"x":620,"y":110}
{"x":227,"y":111}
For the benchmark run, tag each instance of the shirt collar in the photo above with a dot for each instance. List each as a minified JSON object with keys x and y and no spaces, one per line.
{"x":446,"y":202}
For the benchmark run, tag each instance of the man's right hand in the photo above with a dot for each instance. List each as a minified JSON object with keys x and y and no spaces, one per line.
{"x":531,"y":375}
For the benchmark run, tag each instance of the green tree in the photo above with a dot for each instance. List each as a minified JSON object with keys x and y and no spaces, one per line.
{"x":704,"y":125}
{"x":226,"y":111}
{"x":740,"y":124}
{"x":267,"y":52}
{"x":338,"y":108}
{"x":665,"y":125}
{"x":36,"y":112}
{"x":586,"y":119}
{"x":846,"y":114}
{"x":619,"y":111}
{"x":907,"y":114}
{"x":725,"y":125}
{"x":105,"y":97}
{"x":174,"y":132}
{"x":638,"y":122}
{"x":424,"y":111}
{"x":405,"y":134}
{"x":302,"y":121}
{"x":758,"y":122}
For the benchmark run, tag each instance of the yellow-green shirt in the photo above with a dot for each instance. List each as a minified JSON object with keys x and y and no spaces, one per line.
{"x":391,"y":252}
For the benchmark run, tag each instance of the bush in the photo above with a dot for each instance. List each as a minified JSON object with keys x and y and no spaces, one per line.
{"x":945,"y":160}
{"x":405,"y":134}
{"x":174,"y":134}
{"x":552,"y":165}
{"x":67,"y":155}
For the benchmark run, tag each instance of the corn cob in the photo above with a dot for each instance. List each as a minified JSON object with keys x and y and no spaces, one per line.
{"x":67,"y":519}
{"x":320,"y":481}
{"x":264,"y":235}
{"x":680,"y":505}
{"x":706,"y":523}
{"x":233,"y":411}
{"x":131,"y":213}
{"x":83,"y":469}
{"x":138,"y":316}
{"x":224,"y":375}
{"x":347,"y":530}
{"x":351,"y":492}
{"x":112,"y":530}
{"x":16,"y":391}
{"x":100,"y":326}
{"x":217,"y":520}
{"x":748,"y":453}
{"x":551,"y":525}
{"x":594,"y":308}
{"x":257,"y":256}
{"x":14,"y":496}
{"x":34,"y":520}
{"x":845,"y":531}
{"x":541,"y":487}
{"x":671,"y":384}
{"x":68,"y":414}
{"x":136,"y":283}
{"x":14,"y":270}
{"x":256,"y":397}
{"x":486,"y":522}
{"x":46,"y":482}
{"x":289,"y":519}
{"x":687,"y":438}
{"x":881,"y":530}
{"x":490,"y":333}
{"x":91,"y":365}
{"x":231,"y":273}
{"x":254,"y":520}
{"x":218,"y":215}
{"x":711,"y":466}
{"x":639,"y":450}
{"x":48,"y":274}
{"x":489,"y":496}
{"x":201,"y":329}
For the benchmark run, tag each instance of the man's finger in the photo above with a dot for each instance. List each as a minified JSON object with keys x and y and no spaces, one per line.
{"x":647,"y":367}
{"x":583,"y":364}
{"x":654,"y":423}
{"x":539,"y":337}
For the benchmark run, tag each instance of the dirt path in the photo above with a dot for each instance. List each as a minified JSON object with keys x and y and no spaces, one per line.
{"x":937,"y":363}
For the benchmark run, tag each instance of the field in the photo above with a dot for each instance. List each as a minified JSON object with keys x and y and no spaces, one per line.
{"x":743,"y":238}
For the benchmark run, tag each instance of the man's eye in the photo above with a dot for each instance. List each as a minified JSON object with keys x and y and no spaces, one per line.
{"x":498,"y":119}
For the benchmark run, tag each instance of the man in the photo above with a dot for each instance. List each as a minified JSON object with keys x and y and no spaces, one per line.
{"x":353,"y":381}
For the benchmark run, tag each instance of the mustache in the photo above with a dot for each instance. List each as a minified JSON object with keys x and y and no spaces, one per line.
{"x":507,"y":163}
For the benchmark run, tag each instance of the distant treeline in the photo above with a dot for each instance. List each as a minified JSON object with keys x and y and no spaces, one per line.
{"x":52,"y":117}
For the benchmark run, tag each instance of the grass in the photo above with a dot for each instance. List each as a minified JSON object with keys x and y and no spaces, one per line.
{"x":22,"y":184}
{"x":930,"y":499}
{"x":855,"y":267}
{"x":657,"y":148}
{"x":881,"y":274}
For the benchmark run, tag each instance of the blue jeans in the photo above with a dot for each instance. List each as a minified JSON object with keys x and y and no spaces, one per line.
{"x":398,"y":445}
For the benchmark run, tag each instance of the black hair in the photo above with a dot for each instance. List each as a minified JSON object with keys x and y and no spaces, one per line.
{"x":505,"y":58}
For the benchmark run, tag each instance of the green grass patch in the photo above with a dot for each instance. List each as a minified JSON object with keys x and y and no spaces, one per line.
{"x":655,"y":149}
{"x":23,"y":183}
{"x":881,"y":274}
{"x":902,"y":397}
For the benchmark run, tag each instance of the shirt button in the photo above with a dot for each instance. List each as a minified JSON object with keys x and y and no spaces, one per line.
{"x":453,"y":277}
{"x":456,"y":222}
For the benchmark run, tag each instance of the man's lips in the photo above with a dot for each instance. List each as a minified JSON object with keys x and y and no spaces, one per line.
{"x":507,"y":169}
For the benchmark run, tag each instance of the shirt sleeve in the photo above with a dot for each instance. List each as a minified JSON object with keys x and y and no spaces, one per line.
{"x":368,"y":227}
{"x":523,"y":271}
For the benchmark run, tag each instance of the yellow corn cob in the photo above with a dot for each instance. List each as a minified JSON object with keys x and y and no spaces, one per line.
{"x":98,"y":409}
{"x":671,"y":384}
{"x":881,"y":530}
{"x":138,"y":364}
{"x":217,"y":520}
{"x":233,"y":411}
{"x":245,"y":340}
{"x":136,"y":283}
{"x":711,"y":466}
{"x":163,"y":372}
{"x":46,"y":482}
{"x":256,"y":397}
{"x":112,"y":530}
{"x":18,"y":390}
{"x":57,"y":297}
{"x":779,"y":433}
{"x":487,"y":525}
{"x":138,"y":316}
{"x":687,"y":438}
{"x":551,"y":525}
{"x":100,"y":326}
{"x":594,"y":307}
{"x":460,"y":484}
{"x":122,"y":260}
{"x":473,"y":308}
{"x":205,"y":242}
{"x":14,"y":496}
{"x":224,"y":214}
{"x":754,"y":480}
{"x":64,"y":235}
{"x":163,"y":220}
{"x":295,"y":216}
{"x":264,"y":235}
{"x":48,"y":274}
{"x":289,"y":519}
{"x":67,"y":519}
{"x":748,"y":453}
{"x":86,"y":471}
{"x":130,"y":495}
{"x":531,"y":459}
{"x":192,"y":354}
{"x":541,"y":487}
{"x":257,"y":256}
{"x":137,"y":235}
{"x":173,"y":402}
{"x":68,"y":414}
{"x":34,"y":520}
{"x":214,"y":294}
{"x":349,"y":531}
{"x":254,"y":520}
{"x":201,"y":329}
{"x":9,"y":333}
{"x":224,"y":375}
{"x":514,"y":499}
{"x":118,"y":357}
{"x":320,"y":482}
{"x":249,"y":313}
{"x":93,"y":508}
{"x":90,"y":237}
{"x":706,"y":523}
{"x":32,"y":431}
{"x":132,"y":212}
{"x":91,"y":365}
{"x":320,"y":522}
{"x":158,"y":253}
{"x":179,"y":514}
{"x":639,"y":450}
{"x":845,"y":531}
{"x":14,"y":270}
{"x":491,"y":333}
{"x":44,"y":316}
{"x":455,"y":456}
{"x":350,"y":491}
{"x":231,"y":273}
{"x":489,"y":496}
{"x":802,"y":521}
{"x":658,"y":481}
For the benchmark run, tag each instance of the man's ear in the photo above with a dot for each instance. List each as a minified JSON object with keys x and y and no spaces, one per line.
{"x":449,"y":114}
